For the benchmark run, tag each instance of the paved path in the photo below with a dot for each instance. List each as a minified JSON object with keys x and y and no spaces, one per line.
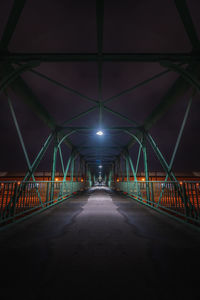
{"x":96,"y":240}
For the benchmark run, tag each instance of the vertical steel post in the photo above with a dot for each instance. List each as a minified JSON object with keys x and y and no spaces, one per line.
{"x":61,"y":159}
{"x":146,"y":171}
{"x":127,"y":173}
{"x":135,"y":176}
{"x":72,"y":174}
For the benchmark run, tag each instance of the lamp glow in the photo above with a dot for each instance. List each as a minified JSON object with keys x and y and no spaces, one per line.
{"x":99,"y":132}
{"x":100,"y":167}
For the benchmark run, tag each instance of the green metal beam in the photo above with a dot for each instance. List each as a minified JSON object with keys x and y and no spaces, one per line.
{"x":127,"y":91}
{"x":39,"y":157}
{"x":146,"y":169}
{"x":186,"y":75}
{"x":174,"y":94}
{"x":119,"y":115}
{"x":105,"y":57}
{"x":23,"y":146}
{"x":177,"y":144}
{"x":184,"y":13}
{"x":80,"y":128}
{"x":100,"y":18}
{"x":55,"y":151}
{"x":63,"y":86}
{"x":80,"y":115}
{"x":13,"y":18}
{"x":99,"y":148}
{"x":10,"y":77}
{"x":24,"y":93}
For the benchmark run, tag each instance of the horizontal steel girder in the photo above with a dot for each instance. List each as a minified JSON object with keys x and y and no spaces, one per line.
{"x":85,"y":57}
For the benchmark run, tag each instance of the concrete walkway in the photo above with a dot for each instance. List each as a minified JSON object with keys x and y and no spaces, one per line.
{"x":100,"y":240}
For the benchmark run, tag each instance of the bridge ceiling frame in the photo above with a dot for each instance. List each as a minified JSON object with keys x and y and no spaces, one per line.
{"x":13,"y":65}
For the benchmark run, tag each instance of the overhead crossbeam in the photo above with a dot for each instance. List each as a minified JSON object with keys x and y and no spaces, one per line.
{"x":105,"y":57}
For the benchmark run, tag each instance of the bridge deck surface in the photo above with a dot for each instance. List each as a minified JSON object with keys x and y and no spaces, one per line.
{"x":100,"y":239}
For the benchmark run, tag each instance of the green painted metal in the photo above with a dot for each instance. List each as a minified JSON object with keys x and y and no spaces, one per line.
{"x":127,"y":91}
{"x":14,"y":74}
{"x":119,"y":115}
{"x":183,"y":10}
{"x":138,"y":158}
{"x":135,"y":136}
{"x":105,"y":57}
{"x":178,"y":140}
{"x":29,"y":203}
{"x":186,"y":75}
{"x":100,"y":19}
{"x":39,"y":157}
{"x":15,"y":13}
{"x":55,"y":150}
{"x":127,"y":173}
{"x":61,"y":159}
{"x":146,"y":170}
{"x":68,"y":165}
{"x":22,"y":144}
{"x":160,"y":157}
{"x":175,"y":93}
{"x":80,"y":115}
{"x":63,"y":86}
{"x":168,"y":171}
{"x":171,"y":203}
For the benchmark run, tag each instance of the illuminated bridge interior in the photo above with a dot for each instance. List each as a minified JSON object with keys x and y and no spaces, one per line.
{"x":100,"y":169}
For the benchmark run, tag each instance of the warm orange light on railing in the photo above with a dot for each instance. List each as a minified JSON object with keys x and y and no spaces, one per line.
{"x":117,"y":179}
{"x":82,"y":180}
{"x":18,"y":182}
{"x":56,"y":179}
{"x":143,"y":179}
{"x":181,"y":182}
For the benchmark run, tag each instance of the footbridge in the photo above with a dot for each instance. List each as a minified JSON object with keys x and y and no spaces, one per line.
{"x":104,"y":215}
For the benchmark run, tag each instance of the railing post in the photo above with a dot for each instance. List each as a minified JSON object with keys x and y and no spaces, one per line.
{"x":144,"y":149}
{"x":55,"y":150}
{"x":185,"y":198}
{"x":127,"y":174}
{"x":72,"y":174}
{"x":152,"y":193}
{"x":14,"y":201}
{"x":47,"y":194}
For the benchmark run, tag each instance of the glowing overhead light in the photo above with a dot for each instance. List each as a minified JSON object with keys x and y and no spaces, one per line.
{"x":100,"y":167}
{"x":99,"y":132}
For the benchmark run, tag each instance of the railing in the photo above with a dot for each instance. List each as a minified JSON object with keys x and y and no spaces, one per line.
{"x":19,"y":200}
{"x":180,"y":200}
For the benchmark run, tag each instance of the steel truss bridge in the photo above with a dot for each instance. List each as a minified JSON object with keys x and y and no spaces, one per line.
{"x":20,"y":200}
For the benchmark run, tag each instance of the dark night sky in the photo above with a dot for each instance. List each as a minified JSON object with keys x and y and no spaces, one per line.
{"x":129,"y":26}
